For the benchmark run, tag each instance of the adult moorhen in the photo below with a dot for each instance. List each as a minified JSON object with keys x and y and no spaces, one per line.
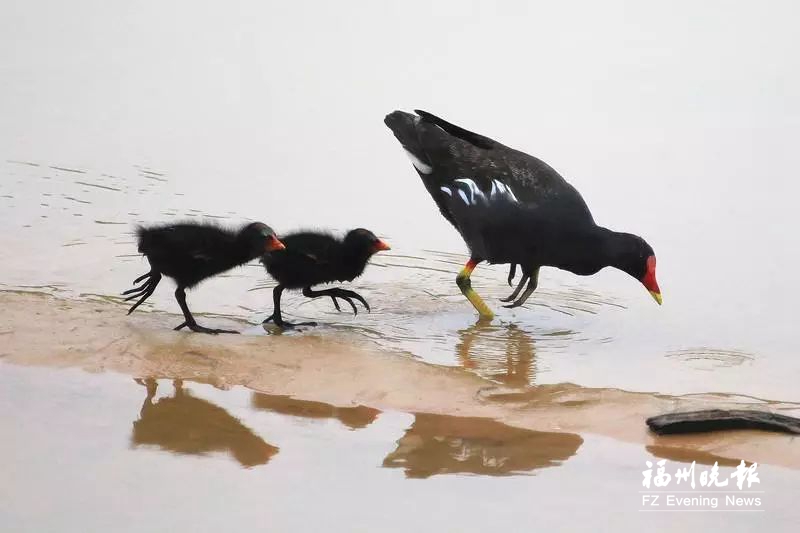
{"x":313,"y":257}
{"x":192,"y":252}
{"x":511,"y":207}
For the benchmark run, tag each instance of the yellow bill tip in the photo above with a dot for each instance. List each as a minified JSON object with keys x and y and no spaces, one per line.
{"x":656,"y":296}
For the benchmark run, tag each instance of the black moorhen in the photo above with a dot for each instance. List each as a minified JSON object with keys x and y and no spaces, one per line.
{"x":311,"y":258}
{"x":511,"y":207}
{"x":192,"y":252}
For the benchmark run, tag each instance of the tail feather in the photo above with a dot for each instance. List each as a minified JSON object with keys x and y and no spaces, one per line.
{"x":144,"y":238}
{"x":473,"y":138}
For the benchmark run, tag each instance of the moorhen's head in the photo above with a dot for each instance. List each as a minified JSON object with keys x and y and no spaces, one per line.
{"x":364,"y":242}
{"x":635,"y":257}
{"x":259,"y":239}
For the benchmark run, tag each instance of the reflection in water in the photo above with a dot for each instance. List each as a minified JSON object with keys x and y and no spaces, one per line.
{"x":512,"y":365}
{"x":189,"y":425}
{"x":687,"y":455}
{"x":439,"y":444}
{"x":353,"y":417}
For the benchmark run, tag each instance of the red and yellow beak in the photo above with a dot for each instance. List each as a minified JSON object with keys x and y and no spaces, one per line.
{"x":381,"y":246}
{"x":274,"y":244}
{"x":649,"y":280}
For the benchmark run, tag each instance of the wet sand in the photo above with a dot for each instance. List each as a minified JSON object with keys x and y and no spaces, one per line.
{"x":346,"y":371}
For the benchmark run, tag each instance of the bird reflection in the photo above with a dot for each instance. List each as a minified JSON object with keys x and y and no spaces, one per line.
{"x":439,"y":444}
{"x":353,"y":417}
{"x":188,"y":425}
{"x":500,"y":353}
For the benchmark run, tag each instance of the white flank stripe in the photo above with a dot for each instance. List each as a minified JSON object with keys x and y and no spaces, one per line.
{"x":511,"y":194}
{"x":419,"y":165}
{"x":501,"y":189}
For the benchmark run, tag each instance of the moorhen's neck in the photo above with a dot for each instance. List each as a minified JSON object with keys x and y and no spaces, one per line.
{"x":354,"y":260}
{"x":242,"y":251}
{"x":596,"y":248}
{"x":617,"y":249}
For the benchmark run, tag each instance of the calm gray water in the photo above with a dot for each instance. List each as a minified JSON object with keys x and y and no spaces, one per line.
{"x":676,"y":122}
{"x":195,"y":458}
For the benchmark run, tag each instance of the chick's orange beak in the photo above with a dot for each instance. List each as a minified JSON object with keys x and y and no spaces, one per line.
{"x":649,"y":280}
{"x":274,"y":244}
{"x":381,"y":246}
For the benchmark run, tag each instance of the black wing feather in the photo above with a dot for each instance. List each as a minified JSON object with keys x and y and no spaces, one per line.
{"x":454,"y":152}
{"x":473,"y":138}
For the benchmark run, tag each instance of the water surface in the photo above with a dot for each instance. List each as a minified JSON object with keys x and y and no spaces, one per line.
{"x":160,"y":455}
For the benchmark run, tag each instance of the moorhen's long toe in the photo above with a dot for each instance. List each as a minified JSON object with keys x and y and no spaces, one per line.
{"x":344,"y":294}
{"x":287,"y":325}
{"x":202,"y":329}
{"x":516,"y":291}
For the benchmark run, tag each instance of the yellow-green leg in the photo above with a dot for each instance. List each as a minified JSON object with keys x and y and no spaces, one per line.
{"x":464,"y":283}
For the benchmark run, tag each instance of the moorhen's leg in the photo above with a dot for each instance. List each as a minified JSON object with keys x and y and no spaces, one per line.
{"x":151,"y":385}
{"x":189,"y":322}
{"x":276,"y":312}
{"x":464,"y":283}
{"x":528,"y":290}
{"x":144,"y":290}
{"x":513,"y":295}
{"x":511,"y":273}
{"x":344,"y":294}
{"x":276,"y":300}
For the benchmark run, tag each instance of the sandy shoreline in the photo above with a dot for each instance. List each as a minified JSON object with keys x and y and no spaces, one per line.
{"x":42,"y":330}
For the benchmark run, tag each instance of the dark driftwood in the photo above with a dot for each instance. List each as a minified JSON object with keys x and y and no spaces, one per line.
{"x":722,"y":419}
